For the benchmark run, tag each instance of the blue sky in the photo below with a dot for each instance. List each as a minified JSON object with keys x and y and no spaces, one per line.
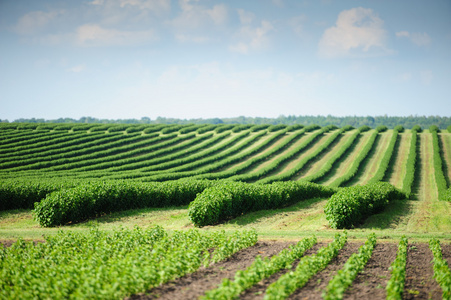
{"x":203,"y":59}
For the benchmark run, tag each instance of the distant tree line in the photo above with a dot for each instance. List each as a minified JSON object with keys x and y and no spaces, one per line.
{"x":355,"y":121}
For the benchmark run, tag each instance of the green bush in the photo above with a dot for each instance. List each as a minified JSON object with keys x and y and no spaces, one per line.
{"x":381,"y":128}
{"x":351,"y":205}
{"x":229,"y":199}
{"x":399,"y":128}
{"x":93,"y":199}
{"x":434,"y":128}
{"x":417,"y":128}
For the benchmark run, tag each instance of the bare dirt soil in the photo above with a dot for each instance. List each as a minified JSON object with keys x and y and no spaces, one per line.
{"x":369,"y":284}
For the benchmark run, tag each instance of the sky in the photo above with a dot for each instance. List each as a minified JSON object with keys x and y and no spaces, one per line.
{"x":187,"y":59}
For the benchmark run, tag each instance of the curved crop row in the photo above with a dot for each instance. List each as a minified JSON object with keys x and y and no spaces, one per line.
{"x":307,"y":267}
{"x":113,"y":143}
{"x":440,"y":179}
{"x":358,"y":160}
{"x":229,"y":199}
{"x":333,"y":160}
{"x":91,"y":199}
{"x":388,"y":157}
{"x":395,"y":286}
{"x":293,"y":171}
{"x":258,"y":270}
{"x":344,"y":277}
{"x":37,"y":139}
{"x":410,"y":165}
{"x":283,"y":158}
{"x":351,"y":205}
{"x":102,"y":265}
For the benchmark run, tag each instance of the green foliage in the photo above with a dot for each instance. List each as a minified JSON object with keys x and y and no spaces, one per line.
{"x":434,"y":128}
{"x":351,"y":205}
{"x":92,"y":199}
{"x":438,"y":168}
{"x":381,"y":128}
{"x":386,"y":159}
{"x":307,"y":267}
{"x":395,"y":286}
{"x":442,"y":273}
{"x":399,"y":128}
{"x":417,"y":128}
{"x":102,"y":265}
{"x":364,"y":128}
{"x":449,"y":128}
{"x":343,"y":279}
{"x":256,"y":128}
{"x":259,"y":270}
{"x":228,"y":199}
{"x":356,"y":163}
{"x":410,"y":165}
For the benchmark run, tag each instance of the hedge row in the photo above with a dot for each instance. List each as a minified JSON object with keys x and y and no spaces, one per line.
{"x":388,"y":157}
{"x":352,"y":205}
{"x":410,"y":165}
{"x":227,"y":199}
{"x":442,"y":186}
{"x":358,"y":160}
{"x":92,"y":199}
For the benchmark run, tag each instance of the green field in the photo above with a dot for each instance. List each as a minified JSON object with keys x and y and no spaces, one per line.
{"x":224,"y":211}
{"x":151,"y":153}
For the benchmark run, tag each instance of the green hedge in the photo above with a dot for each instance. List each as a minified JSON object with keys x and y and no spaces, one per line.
{"x":351,"y":205}
{"x":93,"y":199}
{"x":229,"y":200}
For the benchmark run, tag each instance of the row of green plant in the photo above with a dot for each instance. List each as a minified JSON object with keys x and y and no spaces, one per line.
{"x":292,"y":172}
{"x":338,"y":155}
{"x":352,"y":171}
{"x":99,"y":146}
{"x":345,"y":276}
{"x":73,"y":143}
{"x":308,"y":266}
{"x":387,"y":159}
{"x":395,"y":285}
{"x":102,"y":265}
{"x":248,"y":177}
{"x":442,"y":186}
{"x":442,"y":273}
{"x":228,"y":199}
{"x":411,"y":165}
{"x":41,"y":138}
{"x":95,"y":198}
{"x":201,"y":156}
{"x":232,"y":157}
{"x":259,"y":270}
{"x":352,"y":205}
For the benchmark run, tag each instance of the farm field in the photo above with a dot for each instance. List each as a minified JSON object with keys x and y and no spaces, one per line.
{"x":289,"y":173}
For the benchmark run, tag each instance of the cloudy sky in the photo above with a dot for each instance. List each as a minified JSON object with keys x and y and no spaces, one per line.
{"x":206,"y":58}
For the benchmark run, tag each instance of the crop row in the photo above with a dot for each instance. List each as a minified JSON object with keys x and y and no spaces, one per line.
{"x":101,"y":265}
{"x":386,"y":159}
{"x":442,"y":186}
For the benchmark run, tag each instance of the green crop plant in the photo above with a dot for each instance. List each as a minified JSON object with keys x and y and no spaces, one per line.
{"x":395,"y":286}
{"x":344,"y":277}
{"x":307,"y":267}
{"x":442,"y":273}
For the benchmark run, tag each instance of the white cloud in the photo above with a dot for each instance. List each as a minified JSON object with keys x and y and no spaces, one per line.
{"x":184,"y":38}
{"x":194,"y":16}
{"x":297,"y":24}
{"x":245,"y":17}
{"x":418,"y":38}
{"x":95,"y":35}
{"x":357,"y":32}
{"x":35,"y":21}
{"x":251,"y":37}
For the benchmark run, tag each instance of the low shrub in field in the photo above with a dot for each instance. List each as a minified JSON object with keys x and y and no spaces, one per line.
{"x":93,"y":199}
{"x":351,"y":205}
{"x":228,"y":200}
{"x":17,"y":193}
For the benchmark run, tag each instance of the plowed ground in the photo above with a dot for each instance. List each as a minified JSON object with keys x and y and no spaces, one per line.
{"x":369,"y":284}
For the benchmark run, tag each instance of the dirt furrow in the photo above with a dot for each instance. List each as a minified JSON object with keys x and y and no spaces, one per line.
{"x":196,"y":284}
{"x":420,"y":283}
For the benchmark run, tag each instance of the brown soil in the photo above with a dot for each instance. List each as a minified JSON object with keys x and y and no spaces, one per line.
{"x":316,"y":285}
{"x":420,"y":283}
{"x":196,"y":284}
{"x":372,"y":280}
